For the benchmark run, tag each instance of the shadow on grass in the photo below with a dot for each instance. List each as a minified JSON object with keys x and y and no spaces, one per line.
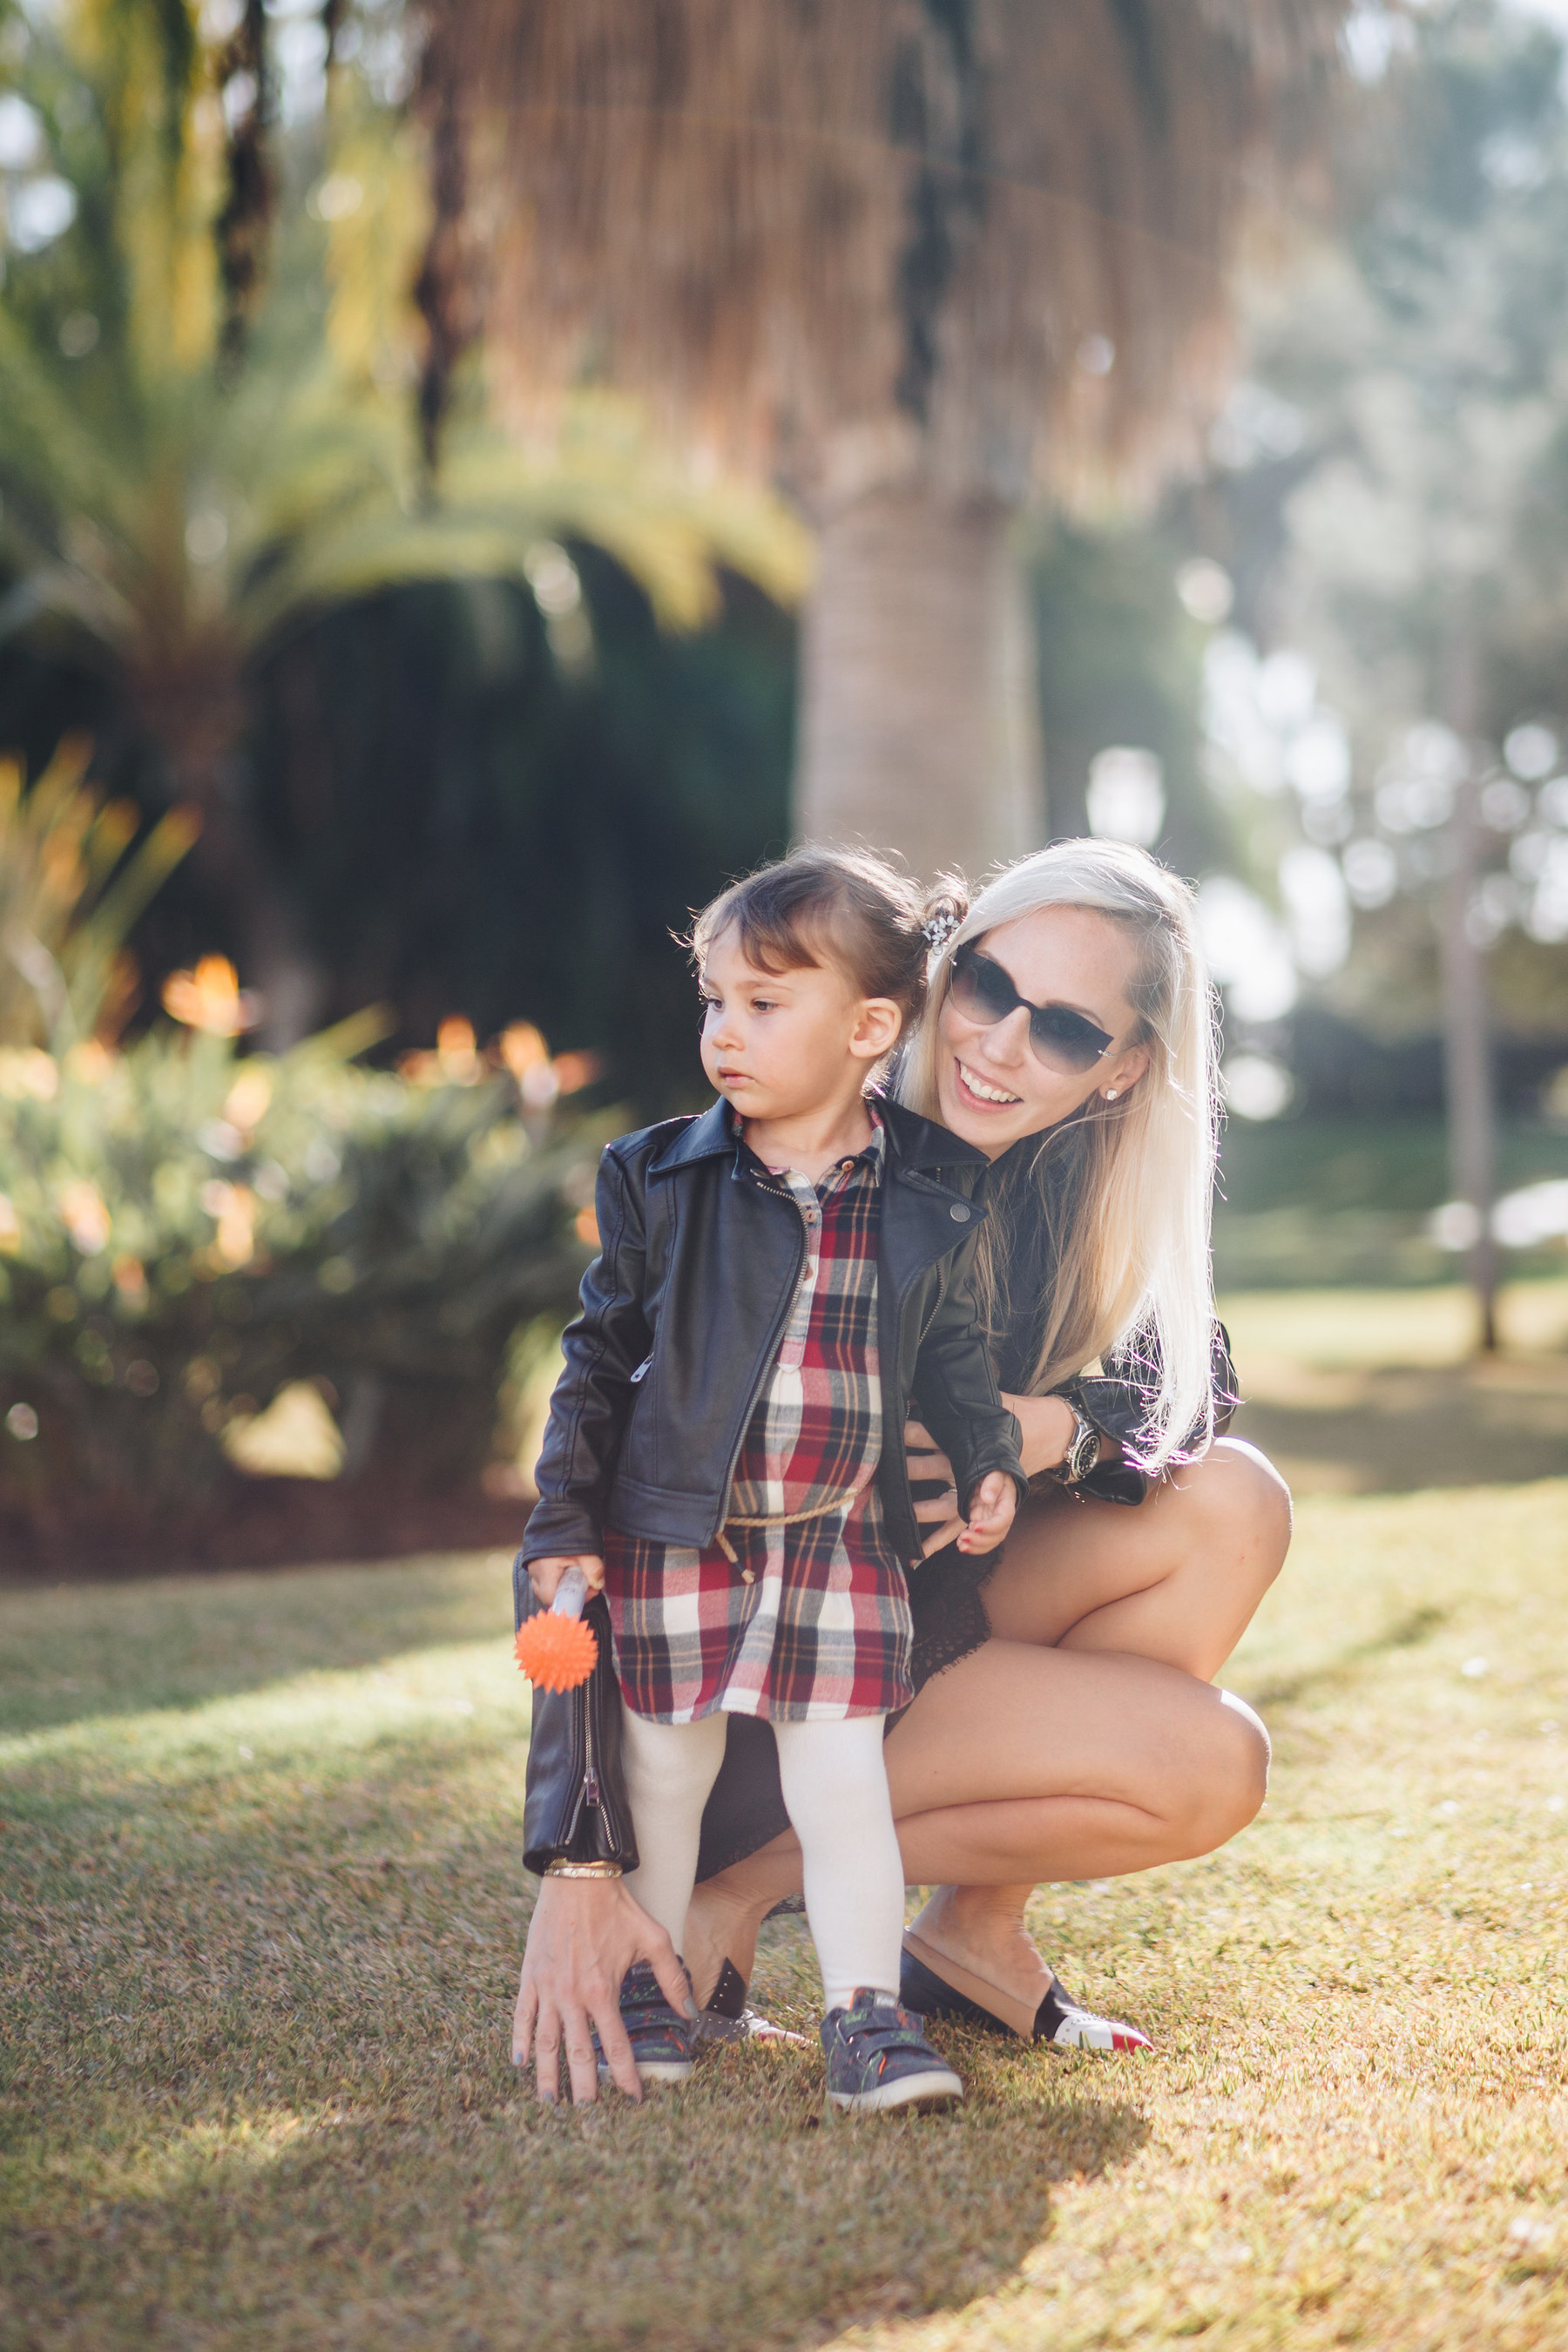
{"x":1403,"y":1429}
{"x":732,"y":2213}
{"x":1406,"y":1633}
{"x":261,"y":2095}
{"x":77,"y":1650}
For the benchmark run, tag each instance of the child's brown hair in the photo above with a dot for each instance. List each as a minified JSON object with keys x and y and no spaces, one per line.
{"x":847,"y":908}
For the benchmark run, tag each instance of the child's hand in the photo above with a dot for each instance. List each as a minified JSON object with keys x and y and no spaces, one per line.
{"x":545,"y":1575}
{"x":990,"y":1511}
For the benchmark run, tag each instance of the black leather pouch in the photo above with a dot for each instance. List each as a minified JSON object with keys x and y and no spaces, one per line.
{"x":575,"y":1808}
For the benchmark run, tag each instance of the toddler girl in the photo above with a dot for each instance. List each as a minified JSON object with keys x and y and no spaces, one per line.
{"x":778,"y":1279}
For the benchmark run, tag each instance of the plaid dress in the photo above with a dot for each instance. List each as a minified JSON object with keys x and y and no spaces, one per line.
{"x":808,"y":1623}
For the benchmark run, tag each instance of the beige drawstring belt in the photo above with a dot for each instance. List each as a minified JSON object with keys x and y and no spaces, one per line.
{"x":780,"y":1520}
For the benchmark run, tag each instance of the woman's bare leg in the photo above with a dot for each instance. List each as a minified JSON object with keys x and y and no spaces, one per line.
{"x":1180,"y":1585}
{"x":1178,"y":1577}
{"x":1130,"y":1777}
{"x":1093,"y":1765}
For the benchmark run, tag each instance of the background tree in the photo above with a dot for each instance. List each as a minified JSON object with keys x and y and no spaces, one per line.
{"x":922,"y":258}
{"x":1392,"y":500}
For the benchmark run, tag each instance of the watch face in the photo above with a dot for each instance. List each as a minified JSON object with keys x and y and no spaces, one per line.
{"x":1084,"y":1451}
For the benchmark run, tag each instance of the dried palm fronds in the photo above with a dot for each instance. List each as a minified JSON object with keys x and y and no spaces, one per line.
{"x":985,"y":237}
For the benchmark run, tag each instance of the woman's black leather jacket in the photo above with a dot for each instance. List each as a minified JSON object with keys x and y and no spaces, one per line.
{"x":684,"y":1309}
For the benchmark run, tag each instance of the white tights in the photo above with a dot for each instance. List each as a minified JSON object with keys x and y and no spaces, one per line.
{"x":835,"y":1793}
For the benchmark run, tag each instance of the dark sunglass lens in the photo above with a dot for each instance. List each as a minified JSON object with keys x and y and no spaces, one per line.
{"x":982,"y":988}
{"x":1065,"y":1040}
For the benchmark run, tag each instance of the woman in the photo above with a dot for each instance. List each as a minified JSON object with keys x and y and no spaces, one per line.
{"x":1066,"y":1728}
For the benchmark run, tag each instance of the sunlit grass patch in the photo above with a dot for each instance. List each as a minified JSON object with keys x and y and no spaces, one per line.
{"x":263,"y":1910}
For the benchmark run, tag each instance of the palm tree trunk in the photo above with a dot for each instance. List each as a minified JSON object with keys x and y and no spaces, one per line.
{"x":920,"y":728}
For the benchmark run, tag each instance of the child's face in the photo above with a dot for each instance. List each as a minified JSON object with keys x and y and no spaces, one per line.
{"x":781,"y":1044}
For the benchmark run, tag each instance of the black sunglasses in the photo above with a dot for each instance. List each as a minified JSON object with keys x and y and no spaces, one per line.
{"x":1065,"y":1041}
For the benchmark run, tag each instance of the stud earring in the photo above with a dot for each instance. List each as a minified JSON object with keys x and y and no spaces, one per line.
{"x":1110,"y":1093}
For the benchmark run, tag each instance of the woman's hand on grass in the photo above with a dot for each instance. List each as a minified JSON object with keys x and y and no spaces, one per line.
{"x":584,"y":1935}
{"x":545,"y":1575}
{"x":991,"y":1510}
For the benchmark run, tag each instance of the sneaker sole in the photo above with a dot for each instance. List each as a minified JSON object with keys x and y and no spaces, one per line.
{"x":657,"y":2070}
{"x":934,"y":2090}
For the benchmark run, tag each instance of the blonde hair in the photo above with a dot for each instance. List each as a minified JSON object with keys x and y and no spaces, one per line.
{"x":1134,"y":1273}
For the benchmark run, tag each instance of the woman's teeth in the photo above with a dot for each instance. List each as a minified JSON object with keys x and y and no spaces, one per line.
{"x":986,"y":1093}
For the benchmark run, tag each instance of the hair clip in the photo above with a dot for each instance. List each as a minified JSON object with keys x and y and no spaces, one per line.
{"x":938,"y":931}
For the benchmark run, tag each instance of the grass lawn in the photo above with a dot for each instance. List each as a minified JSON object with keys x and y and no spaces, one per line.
{"x":1378,"y":1391}
{"x":262,"y":1916}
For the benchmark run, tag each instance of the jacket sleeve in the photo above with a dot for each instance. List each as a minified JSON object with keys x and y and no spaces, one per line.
{"x":603,"y":1347}
{"x":956,"y":1387}
{"x":1119,"y":1401}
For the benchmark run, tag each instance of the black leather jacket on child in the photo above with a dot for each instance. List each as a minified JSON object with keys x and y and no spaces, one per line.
{"x":681,"y":1318}
{"x":682,"y":1314}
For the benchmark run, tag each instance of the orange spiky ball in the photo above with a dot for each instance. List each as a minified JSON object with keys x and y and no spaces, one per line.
{"x":556,"y":1654}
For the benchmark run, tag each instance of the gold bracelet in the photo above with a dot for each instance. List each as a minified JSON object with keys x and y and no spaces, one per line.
{"x":583,"y":1870}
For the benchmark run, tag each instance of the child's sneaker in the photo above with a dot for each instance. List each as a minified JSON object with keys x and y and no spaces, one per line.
{"x":662,"y":2039}
{"x":879,"y":2058}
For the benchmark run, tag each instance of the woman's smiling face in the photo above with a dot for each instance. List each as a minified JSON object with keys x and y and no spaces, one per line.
{"x":991,"y":1086}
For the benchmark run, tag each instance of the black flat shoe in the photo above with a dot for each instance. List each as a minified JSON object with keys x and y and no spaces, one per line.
{"x":727,"y":2018}
{"x":1059,"y":2018}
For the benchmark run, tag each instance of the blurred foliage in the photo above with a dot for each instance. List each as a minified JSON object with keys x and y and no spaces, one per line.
{"x":1390,"y":497}
{"x":185,"y":1232}
{"x":71,"y":891}
{"x":1122,"y":663}
{"x":468,"y":826}
{"x":176,"y":501}
{"x":1308,"y":1201}
{"x":483,"y":754}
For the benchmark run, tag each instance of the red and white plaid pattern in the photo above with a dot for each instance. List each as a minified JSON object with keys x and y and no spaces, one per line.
{"x":810,"y":1622}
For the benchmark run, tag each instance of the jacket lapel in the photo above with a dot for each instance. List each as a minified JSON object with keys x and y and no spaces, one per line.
{"x":926,"y":1214}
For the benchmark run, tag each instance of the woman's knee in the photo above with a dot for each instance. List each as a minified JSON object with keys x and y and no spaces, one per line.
{"x":1240,"y":1508}
{"x":1229,"y":1784}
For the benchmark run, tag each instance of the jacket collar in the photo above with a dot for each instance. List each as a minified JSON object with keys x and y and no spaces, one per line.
{"x":919,"y":1143}
{"x":913,"y":1142}
{"x":708,"y":1137}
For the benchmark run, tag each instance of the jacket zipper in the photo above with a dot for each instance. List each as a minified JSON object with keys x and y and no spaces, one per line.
{"x":920,"y":1183}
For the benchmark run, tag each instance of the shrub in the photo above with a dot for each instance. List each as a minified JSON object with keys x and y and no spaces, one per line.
{"x":185,"y":1231}
{"x":70,"y":889}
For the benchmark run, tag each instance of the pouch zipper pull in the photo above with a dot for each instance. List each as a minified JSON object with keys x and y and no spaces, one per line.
{"x":590,"y":1770}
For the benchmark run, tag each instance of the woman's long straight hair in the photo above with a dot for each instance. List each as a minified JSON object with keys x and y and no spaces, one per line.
{"x":1134,"y":1269}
